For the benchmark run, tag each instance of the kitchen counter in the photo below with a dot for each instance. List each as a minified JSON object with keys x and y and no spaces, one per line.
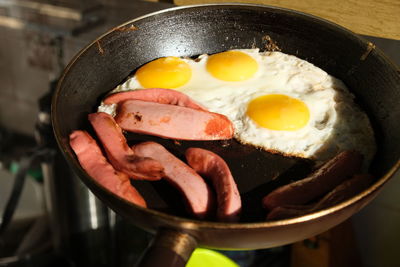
{"x":367,"y":17}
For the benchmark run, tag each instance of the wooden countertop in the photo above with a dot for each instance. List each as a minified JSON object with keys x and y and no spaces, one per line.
{"x":378,"y":18}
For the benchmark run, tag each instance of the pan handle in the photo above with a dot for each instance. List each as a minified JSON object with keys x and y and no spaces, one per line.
{"x":169,"y":248}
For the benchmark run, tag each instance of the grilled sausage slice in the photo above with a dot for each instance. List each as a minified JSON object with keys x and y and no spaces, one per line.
{"x":158,"y":95}
{"x":96,"y":165}
{"x":119,"y":153}
{"x":327,"y":177}
{"x":212,"y":166}
{"x":170,"y":121}
{"x":193,"y":188}
{"x":342,"y":192}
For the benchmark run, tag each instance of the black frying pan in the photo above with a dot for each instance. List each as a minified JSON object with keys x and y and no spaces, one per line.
{"x":190,"y":31}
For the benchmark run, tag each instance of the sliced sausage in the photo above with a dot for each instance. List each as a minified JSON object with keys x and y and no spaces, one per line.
{"x":344,"y":191}
{"x":195,"y":191}
{"x":119,"y":153}
{"x":212,"y":166}
{"x":327,"y":177}
{"x":96,"y":165}
{"x":286,"y":212}
{"x":170,"y":121}
{"x":159,"y":95}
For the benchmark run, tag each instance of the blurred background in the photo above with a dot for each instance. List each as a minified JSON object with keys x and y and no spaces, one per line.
{"x":58,"y":222}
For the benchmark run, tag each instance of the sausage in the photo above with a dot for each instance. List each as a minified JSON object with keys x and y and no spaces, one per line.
{"x":159,"y":95}
{"x":193,"y":188}
{"x":344,"y":191}
{"x":286,"y":212}
{"x":331,"y":174}
{"x":212,"y":166}
{"x":96,"y":165}
{"x":119,"y":153}
{"x":170,"y":121}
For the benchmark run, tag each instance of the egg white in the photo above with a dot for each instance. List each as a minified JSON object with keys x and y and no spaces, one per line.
{"x":336,"y":123}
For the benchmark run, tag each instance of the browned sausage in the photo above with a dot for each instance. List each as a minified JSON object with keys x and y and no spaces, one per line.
{"x":344,"y":191}
{"x":159,"y":95}
{"x":280,"y":213}
{"x":170,"y":121}
{"x":212,"y":166}
{"x":96,"y":165}
{"x":119,"y":153}
{"x":331,"y":174}
{"x":195,"y":191}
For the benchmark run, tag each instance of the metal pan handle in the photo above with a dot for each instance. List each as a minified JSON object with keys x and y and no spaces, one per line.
{"x":169,"y":248}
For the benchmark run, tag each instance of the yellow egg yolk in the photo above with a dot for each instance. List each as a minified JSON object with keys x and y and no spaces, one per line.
{"x":166,"y":72}
{"x":278,"y":112}
{"x":232,"y":66}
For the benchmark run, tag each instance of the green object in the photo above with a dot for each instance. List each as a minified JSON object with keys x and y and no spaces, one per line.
{"x":202,"y":257}
{"x":34,"y":173}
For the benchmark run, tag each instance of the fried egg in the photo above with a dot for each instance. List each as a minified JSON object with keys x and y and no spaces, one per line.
{"x":276,"y":101}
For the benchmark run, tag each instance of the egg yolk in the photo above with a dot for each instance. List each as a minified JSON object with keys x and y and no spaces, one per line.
{"x":166,"y":72}
{"x":232,"y":66}
{"x":278,"y":112}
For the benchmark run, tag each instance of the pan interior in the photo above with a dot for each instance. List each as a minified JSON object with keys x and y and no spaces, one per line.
{"x":192,"y":31}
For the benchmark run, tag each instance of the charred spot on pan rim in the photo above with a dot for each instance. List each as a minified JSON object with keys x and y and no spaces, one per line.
{"x":370,"y":47}
{"x":126,"y":28}
{"x":100,"y":49}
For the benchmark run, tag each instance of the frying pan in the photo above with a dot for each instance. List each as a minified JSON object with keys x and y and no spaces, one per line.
{"x":194,"y":30}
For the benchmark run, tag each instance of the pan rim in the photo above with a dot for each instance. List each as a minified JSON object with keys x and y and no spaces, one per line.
{"x":187,"y":223}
